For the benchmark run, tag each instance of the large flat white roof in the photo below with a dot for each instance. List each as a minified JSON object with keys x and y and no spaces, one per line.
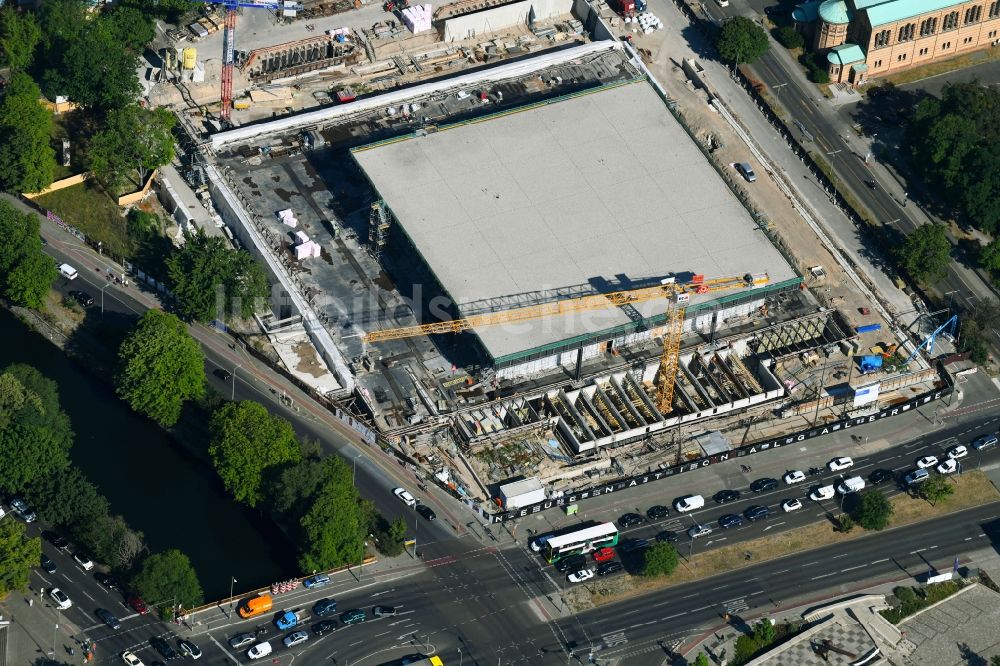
{"x":592,"y":186}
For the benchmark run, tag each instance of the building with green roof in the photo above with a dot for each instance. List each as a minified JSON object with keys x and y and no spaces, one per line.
{"x":863,"y":38}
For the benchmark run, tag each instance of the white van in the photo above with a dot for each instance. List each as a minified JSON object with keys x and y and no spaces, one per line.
{"x":259,"y":651}
{"x":852,"y":485}
{"x":689,"y":503}
{"x":68,"y":271}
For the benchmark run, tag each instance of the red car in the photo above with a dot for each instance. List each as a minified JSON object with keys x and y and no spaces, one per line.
{"x":604,"y":554}
{"x":138,"y":604}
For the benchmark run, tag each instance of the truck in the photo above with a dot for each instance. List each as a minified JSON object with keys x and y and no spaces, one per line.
{"x":255,"y":606}
{"x":289,"y":619}
{"x":625,"y":7}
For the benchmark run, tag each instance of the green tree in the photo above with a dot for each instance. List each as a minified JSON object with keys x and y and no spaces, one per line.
{"x":68,"y":499}
{"x":661,"y":560}
{"x":702,"y":660}
{"x":26,"y":274}
{"x":134,"y":142}
{"x":20,"y":35}
{"x":935,"y":488}
{"x":27,"y":160}
{"x":292,"y":488}
{"x":745,"y":648}
{"x":159,"y":367}
{"x":979,"y":195}
{"x":926,"y":253}
{"x":36,"y":434}
{"x":789,"y":37}
{"x":210,"y":280}
{"x":741,"y":40}
{"x":845,"y":523}
{"x":334,"y":529}
{"x":873,"y":511}
{"x":764,"y":632}
{"x":166,"y":578}
{"x":995,"y":660}
{"x":246,"y":442}
{"x":19,"y":554}
{"x":132,"y":26}
{"x":112,"y":541}
{"x":989,"y":256}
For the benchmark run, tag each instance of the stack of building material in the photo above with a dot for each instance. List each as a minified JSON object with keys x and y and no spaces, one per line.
{"x":417,"y":18}
{"x":287,"y":218}
{"x":306,"y":248}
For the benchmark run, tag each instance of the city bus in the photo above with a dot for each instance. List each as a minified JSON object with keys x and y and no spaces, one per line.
{"x":580,"y":541}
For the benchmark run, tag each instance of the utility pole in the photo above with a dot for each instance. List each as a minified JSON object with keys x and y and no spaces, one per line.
{"x":238,"y":366}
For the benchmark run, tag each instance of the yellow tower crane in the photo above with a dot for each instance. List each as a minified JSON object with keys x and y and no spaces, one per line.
{"x":678,"y":295}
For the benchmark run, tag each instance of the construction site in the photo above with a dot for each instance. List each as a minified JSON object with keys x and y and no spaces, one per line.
{"x":533,"y":267}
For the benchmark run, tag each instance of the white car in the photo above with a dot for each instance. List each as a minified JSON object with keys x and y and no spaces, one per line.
{"x":130,"y":659}
{"x":538,"y":543}
{"x":840,"y":463}
{"x":580,"y":576}
{"x":791,"y":505}
{"x":795,"y":476}
{"x":294,"y":638}
{"x":404,"y":496}
{"x":62,"y":601}
{"x":957,"y":452}
{"x":822,"y":493}
{"x":927,"y":461}
{"x":949,"y":466}
{"x":83,"y":561}
{"x":259,"y":651}
{"x":699,"y":531}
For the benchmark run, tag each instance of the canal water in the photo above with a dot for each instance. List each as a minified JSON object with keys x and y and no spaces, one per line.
{"x":160,"y":489}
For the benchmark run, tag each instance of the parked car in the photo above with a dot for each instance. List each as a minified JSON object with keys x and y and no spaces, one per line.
{"x":319,"y":580}
{"x":242,"y":640}
{"x":108,"y":618}
{"x":629,"y":520}
{"x":83,"y":560}
{"x":295,"y":638}
{"x":58,"y":541}
{"x":48,"y":566}
{"x":604,"y":554}
{"x":538,"y":543}
{"x":137,"y":604}
{"x":353,"y":616}
{"x":657,"y":512}
{"x":949,"y":466}
{"x":324,"y":607}
{"x":981,"y":444}
{"x":130,"y":659}
{"x":765,"y":484}
{"x":632,"y":545}
{"x":404,"y":496}
{"x":426,"y":512}
{"x":881,"y":476}
{"x":259,"y":651}
{"x":163,"y":647}
{"x":916,"y":476}
{"x":689,"y":503}
{"x":83,"y":298}
{"x":59,"y":597}
{"x":571,"y":563}
{"x":756,"y":512}
{"x":822,"y":493}
{"x":668,"y":536}
{"x":790,"y":505}
{"x":746,"y":171}
{"x":795,"y":476}
{"x":324,"y":627}
{"x":608,"y":568}
{"x":927,"y":461}
{"x":21,"y":509}
{"x":730,"y":520}
{"x":699,"y":531}
{"x":384,"y":611}
{"x":188,"y":648}
{"x":840,"y":463}
{"x":957,"y":452}
{"x":726,"y":496}
{"x":580,"y":576}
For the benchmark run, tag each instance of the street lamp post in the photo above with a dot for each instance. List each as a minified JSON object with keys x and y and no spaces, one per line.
{"x":238,"y":366}
{"x":105,"y":286}
{"x":461,"y":657}
{"x":232,"y":581}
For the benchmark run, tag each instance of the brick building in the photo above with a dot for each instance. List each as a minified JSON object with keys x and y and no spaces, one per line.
{"x":869,"y":38}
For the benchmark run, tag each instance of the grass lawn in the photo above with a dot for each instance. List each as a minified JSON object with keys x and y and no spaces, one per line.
{"x":940,"y":67}
{"x":90,"y":210}
{"x":971,"y":489}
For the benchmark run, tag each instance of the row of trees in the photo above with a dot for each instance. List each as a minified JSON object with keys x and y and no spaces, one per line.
{"x":36,"y":437}
{"x":26,"y":273}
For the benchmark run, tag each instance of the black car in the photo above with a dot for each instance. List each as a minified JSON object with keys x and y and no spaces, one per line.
{"x":630,"y":519}
{"x":107,"y":581}
{"x":83,"y":298}
{"x":760,"y":485}
{"x":726,"y":496}
{"x":384,"y":611}
{"x":48,"y":565}
{"x":657,"y":512}
{"x":730,"y":520}
{"x":881,"y":476}
{"x":756,"y":512}
{"x":108,"y":618}
{"x":324,"y":607}
{"x":425,"y":511}
{"x":571,"y":563}
{"x":669,"y":536}
{"x":608,"y":568}
{"x":164,"y":648}
{"x":60,"y":542}
{"x":324,"y":627}
{"x":243,"y":640}
{"x":224,"y":375}
{"x":632,"y":545}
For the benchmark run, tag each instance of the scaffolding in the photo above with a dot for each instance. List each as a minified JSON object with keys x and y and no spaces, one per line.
{"x":378,"y":228}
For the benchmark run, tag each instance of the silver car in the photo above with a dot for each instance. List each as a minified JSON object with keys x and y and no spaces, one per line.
{"x":295,"y":638}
